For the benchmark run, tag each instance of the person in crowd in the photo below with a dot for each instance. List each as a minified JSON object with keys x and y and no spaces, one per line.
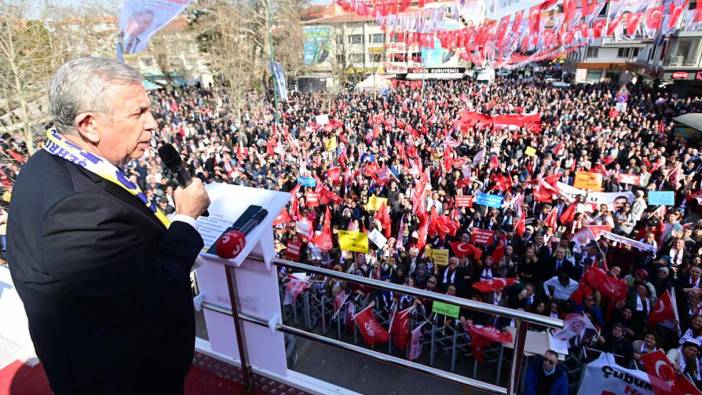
{"x":546,"y":375}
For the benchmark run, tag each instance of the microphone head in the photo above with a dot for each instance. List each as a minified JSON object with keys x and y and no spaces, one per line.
{"x":230,"y":244}
{"x":170,"y":157}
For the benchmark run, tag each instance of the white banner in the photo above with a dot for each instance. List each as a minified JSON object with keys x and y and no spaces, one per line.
{"x":604,"y":376}
{"x":614,"y":200}
{"x":630,"y":242}
{"x":141,"y":19}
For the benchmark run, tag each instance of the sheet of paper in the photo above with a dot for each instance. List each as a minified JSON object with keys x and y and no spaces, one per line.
{"x":557,"y":345}
{"x":212,"y":227}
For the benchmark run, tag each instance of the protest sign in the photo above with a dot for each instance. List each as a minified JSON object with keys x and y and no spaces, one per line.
{"x":482,"y":236}
{"x":464,"y":201}
{"x":307,"y":182}
{"x":375,"y":202}
{"x":446,"y":309}
{"x":604,"y":376}
{"x":588,"y":180}
{"x":661,"y":198}
{"x":530,"y":151}
{"x":377,"y":238}
{"x":440,"y":256}
{"x":353,"y":241}
{"x":488,"y":200}
{"x":322,"y":119}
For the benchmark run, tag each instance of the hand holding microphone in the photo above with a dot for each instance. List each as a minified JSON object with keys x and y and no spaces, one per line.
{"x":190,"y":197}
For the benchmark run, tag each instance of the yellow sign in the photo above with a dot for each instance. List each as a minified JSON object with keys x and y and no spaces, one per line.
{"x":375,"y":202}
{"x":330,"y":143}
{"x":588,"y":180}
{"x":376,"y":49}
{"x":441,"y":257}
{"x":530,"y":151}
{"x":365,"y":70}
{"x":353,"y":241}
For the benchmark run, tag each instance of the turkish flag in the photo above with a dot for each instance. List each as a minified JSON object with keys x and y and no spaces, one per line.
{"x":324,"y":239}
{"x":481,"y":336}
{"x":462,"y":249}
{"x":334,"y":175}
{"x":610,"y":286}
{"x":660,"y":371}
{"x":662,"y":311}
{"x":494,"y":284}
{"x":293,"y":289}
{"x":683,"y":386}
{"x":383,"y":215}
{"x":551,"y":220}
{"x":373,"y":333}
{"x":400,"y":328}
{"x":568,"y":214}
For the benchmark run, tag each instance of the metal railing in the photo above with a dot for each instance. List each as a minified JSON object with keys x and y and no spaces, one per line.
{"x":522,"y":320}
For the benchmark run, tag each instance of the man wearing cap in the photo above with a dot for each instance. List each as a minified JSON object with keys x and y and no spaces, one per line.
{"x":686,"y":361}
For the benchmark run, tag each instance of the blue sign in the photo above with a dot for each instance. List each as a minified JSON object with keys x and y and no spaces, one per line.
{"x":307,"y":182}
{"x":662,"y":198}
{"x":488,"y":200}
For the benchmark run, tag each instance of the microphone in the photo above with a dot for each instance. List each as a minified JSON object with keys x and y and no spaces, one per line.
{"x":233,"y":240}
{"x":174,"y":163}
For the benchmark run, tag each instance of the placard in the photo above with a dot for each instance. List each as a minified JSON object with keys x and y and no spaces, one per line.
{"x":464,"y":201}
{"x":377,"y":238}
{"x":440,"y":256}
{"x":375,"y":202}
{"x":446,"y":309}
{"x":661,"y":198}
{"x":488,"y":200}
{"x":353,"y":241}
{"x":321,"y":119}
{"x":530,"y":151}
{"x":481,"y":236}
{"x":588,"y":180}
{"x":307,"y":182}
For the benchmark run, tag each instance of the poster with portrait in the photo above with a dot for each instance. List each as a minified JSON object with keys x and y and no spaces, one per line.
{"x":141,"y":19}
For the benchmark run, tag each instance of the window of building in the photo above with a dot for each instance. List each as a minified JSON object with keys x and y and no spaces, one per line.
{"x":376,"y":57}
{"x":594,"y":75}
{"x":693,"y":4}
{"x":340,"y":59}
{"x":340,"y":39}
{"x":593,"y":52}
{"x":356,"y":39}
{"x":687,"y":49}
{"x":376,"y":38}
{"x":417,"y":57}
{"x":356,"y":58}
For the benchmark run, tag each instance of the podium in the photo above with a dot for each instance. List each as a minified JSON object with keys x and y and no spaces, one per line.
{"x":251,"y":283}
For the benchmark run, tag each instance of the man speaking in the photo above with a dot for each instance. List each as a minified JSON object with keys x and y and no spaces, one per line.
{"x":103,"y":274}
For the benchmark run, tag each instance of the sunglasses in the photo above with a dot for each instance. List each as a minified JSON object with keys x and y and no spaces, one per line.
{"x":550,"y":361}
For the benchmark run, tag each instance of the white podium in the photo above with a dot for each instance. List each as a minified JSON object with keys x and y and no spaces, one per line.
{"x":254,"y":288}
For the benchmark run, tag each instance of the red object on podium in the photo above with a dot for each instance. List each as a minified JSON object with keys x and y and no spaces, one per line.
{"x":230,"y":244}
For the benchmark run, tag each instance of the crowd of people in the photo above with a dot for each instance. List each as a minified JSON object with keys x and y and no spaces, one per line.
{"x":427,"y":158}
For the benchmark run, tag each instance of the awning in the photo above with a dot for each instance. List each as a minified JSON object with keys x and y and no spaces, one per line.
{"x":692,"y":120}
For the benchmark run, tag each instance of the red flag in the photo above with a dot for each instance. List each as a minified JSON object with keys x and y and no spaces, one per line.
{"x":609,"y":286}
{"x":499,"y":251}
{"x":418,"y":197}
{"x":481,"y":336}
{"x":423,"y":229}
{"x":383,"y":215}
{"x":373,"y":333}
{"x":293,"y":289}
{"x":582,"y":291}
{"x":324,"y":240}
{"x":568,"y":214}
{"x":283,"y":218}
{"x":415,"y":349}
{"x":551,"y":220}
{"x":660,"y":372}
{"x":520,"y":228}
{"x":662,"y":311}
{"x":400,"y":328}
{"x":334,"y":175}
{"x":462,"y":248}
{"x":494,"y":284}
{"x":683,"y":386}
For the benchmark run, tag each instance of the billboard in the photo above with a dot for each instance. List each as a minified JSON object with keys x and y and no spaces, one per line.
{"x":317,"y":44}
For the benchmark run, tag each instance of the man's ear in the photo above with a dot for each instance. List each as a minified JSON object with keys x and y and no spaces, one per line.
{"x":86,"y":126}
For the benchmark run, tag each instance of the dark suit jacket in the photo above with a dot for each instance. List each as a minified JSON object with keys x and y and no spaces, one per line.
{"x":105,"y":285}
